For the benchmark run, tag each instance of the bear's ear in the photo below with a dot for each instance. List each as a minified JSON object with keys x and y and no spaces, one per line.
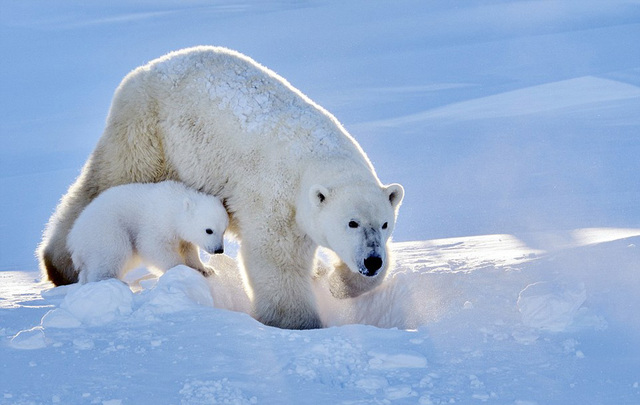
{"x":318,"y":195}
{"x":395,"y":194}
{"x":187,"y":204}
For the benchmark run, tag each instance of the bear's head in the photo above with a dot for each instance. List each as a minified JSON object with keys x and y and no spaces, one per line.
{"x":203,"y":222}
{"x":355,"y":221}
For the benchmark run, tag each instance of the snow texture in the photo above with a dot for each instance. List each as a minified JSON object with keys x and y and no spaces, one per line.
{"x":513,"y":126}
{"x":434,"y":332}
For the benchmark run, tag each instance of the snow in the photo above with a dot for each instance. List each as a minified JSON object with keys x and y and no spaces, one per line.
{"x":549,"y":306}
{"x":501,"y":330}
{"x":513,"y":126}
{"x":565,"y":94}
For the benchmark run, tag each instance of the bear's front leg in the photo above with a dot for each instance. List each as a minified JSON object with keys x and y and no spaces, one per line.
{"x":191,"y":255}
{"x":280,"y":279}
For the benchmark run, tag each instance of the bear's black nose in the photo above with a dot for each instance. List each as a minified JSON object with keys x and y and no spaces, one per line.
{"x":219,"y":251}
{"x":372,"y":264}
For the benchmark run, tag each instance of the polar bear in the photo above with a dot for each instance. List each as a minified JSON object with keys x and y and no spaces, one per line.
{"x":160,"y":224}
{"x":290,"y":175}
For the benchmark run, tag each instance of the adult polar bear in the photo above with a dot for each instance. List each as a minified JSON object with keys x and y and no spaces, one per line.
{"x":290,"y":175}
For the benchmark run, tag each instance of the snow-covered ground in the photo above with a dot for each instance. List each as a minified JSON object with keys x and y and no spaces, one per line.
{"x":460,"y":320}
{"x":516,"y":120}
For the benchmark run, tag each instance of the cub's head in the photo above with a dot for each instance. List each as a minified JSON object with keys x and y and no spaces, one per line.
{"x":203,"y":223}
{"x":355,"y":221}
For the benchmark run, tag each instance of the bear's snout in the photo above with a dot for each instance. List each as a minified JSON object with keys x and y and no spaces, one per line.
{"x":372,"y":264}
{"x":215,"y":250}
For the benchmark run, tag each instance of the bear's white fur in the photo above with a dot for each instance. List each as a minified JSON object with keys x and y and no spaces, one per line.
{"x":291,"y":177}
{"x":160,"y":224}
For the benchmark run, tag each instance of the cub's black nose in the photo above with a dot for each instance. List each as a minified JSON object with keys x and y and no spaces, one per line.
{"x":372,"y":264}
{"x":219,"y":251}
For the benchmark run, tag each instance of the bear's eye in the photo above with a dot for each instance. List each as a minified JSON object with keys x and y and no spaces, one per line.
{"x":353,"y":224}
{"x":384,"y":226}
{"x":208,"y":231}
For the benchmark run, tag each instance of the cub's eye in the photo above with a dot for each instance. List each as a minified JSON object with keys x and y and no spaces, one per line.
{"x":208,"y":231}
{"x":353,"y":224}
{"x":384,"y":226}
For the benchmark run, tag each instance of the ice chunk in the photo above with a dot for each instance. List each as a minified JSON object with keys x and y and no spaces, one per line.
{"x":29,"y":339}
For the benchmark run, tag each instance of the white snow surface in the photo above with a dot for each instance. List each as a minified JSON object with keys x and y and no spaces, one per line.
{"x":461,"y":320}
{"x":513,"y":126}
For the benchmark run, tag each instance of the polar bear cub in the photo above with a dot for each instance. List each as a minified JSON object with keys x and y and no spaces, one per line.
{"x":160,"y":224}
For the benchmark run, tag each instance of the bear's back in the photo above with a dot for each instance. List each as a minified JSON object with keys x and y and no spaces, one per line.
{"x":215,"y":84}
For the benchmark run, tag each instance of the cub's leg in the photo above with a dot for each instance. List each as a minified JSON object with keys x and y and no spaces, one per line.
{"x":101,"y":265}
{"x":191,"y":256}
{"x":99,"y":255}
{"x":160,"y":253}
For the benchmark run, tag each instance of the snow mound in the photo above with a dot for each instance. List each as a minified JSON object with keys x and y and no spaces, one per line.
{"x":101,"y":303}
{"x":549,"y":306}
{"x":60,"y":318}
{"x":95,"y":304}
{"x":179,"y":289}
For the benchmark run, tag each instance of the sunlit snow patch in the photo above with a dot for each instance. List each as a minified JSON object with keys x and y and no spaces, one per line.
{"x":18,"y":287}
{"x":572,"y":93}
{"x":465,"y":254}
{"x":593,"y":236}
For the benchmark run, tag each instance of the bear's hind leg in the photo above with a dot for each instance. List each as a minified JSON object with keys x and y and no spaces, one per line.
{"x":55,"y":259}
{"x":129,"y":151}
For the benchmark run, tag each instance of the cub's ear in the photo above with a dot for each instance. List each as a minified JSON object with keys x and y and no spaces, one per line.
{"x":318,"y":195}
{"x":395,"y":194}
